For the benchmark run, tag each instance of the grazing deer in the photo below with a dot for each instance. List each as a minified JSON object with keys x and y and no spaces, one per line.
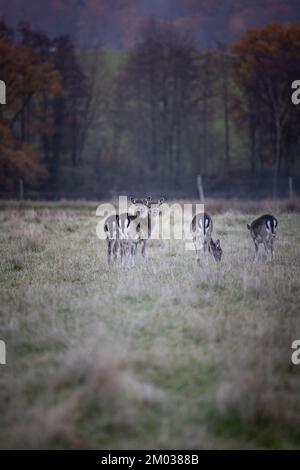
{"x":215,"y":249}
{"x":263,"y":231}
{"x":201,"y":229}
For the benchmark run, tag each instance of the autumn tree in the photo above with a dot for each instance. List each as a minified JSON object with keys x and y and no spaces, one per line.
{"x":26,"y":78}
{"x":267,"y":60}
{"x":17,"y":160}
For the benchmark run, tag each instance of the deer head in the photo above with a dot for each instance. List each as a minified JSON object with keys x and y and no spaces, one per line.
{"x":215,"y":249}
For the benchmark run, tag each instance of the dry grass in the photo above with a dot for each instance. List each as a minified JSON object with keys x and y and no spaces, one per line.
{"x":166,"y":355}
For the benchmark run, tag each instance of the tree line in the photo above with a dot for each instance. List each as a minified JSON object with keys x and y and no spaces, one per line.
{"x":154,"y":116}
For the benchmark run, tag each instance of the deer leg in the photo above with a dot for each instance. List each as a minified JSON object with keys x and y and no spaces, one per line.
{"x":207,"y":250}
{"x":115,"y":250}
{"x":196,"y":251}
{"x":266,"y":247}
{"x":124,"y":252}
{"x":109,"y":251}
{"x":272,"y":248}
{"x":127,"y":253}
{"x":133,"y":254}
{"x":198,"y":255}
{"x":256,"y":250}
{"x":143,"y":242}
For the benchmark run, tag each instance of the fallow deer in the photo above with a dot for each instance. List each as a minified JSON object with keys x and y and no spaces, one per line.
{"x":111,"y":229}
{"x":263,"y":231}
{"x":122,"y":229}
{"x":201,"y":229}
{"x":142,"y":227}
{"x":147,"y":226}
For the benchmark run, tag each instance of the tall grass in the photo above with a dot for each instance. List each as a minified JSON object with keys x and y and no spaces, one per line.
{"x":166,"y":355}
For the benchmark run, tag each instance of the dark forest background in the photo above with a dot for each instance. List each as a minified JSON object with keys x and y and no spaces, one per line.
{"x":93,"y":123}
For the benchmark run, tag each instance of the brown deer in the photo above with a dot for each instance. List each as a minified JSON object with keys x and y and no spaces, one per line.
{"x":263,"y":231}
{"x":141,"y":228}
{"x":122,"y":230}
{"x":201,"y":230}
{"x":111,"y":229}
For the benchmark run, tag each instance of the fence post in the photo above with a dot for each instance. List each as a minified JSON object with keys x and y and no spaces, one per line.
{"x":291,"y":189}
{"x":21,"y":188}
{"x":2,"y":92}
{"x":200,"y":188}
{"x":2,"y":352}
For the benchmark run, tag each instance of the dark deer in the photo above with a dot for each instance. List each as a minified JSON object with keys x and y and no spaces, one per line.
{"x":122,"y":230}
{"x":201,"y":229}
{"x":263,"y":231}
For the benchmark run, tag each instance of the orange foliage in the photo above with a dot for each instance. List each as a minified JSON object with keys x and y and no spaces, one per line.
{"x":17,"y":161}
{"x":27,"y":78}
{"x":25,"y":75}
{"x":267,"y":61}
{"x":269,"y":56}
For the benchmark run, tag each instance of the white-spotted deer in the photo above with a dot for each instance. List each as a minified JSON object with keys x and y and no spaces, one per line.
{"x":148,"y":225}
{"x":111,"y":229}
{"x":201,"y":229}
{"x":123,"y":231}
{"x":263,"y":231}
{"x":117,"y":230}
{"x":142,"y":227}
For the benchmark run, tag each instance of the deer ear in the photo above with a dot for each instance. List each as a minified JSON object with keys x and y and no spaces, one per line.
{"x":248,"y":227}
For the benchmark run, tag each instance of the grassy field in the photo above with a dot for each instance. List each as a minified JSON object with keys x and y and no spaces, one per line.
{"x":165,"y":355}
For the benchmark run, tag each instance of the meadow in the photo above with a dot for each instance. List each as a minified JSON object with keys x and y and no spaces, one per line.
{"x":166,"y":355}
